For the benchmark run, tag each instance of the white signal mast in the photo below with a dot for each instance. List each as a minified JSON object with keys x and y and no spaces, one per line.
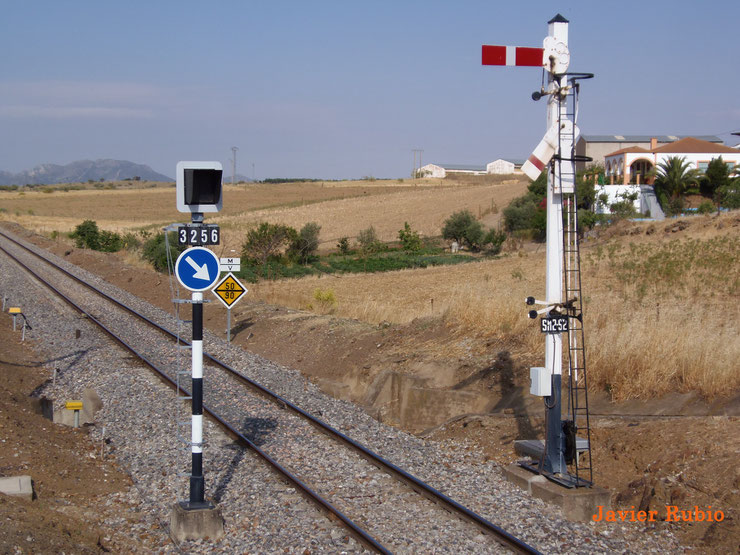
{"x":561,"y":309}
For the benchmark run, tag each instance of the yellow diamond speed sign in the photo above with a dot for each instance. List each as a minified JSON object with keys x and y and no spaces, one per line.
{"x":229,"y":290}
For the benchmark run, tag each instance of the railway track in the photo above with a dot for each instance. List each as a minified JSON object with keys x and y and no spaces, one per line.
{"x":350,"y":487}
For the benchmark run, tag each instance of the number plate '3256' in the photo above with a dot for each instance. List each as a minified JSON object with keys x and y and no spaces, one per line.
{"x":198,"y":235}
{"x":555,"y":323}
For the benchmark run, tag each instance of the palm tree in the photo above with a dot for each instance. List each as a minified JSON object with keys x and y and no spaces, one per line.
{"x":675,"y":176}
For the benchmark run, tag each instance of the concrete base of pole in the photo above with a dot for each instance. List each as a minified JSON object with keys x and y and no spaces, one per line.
{"x":196,"y":523}
{"x":577,"y":504}
{"x":17,"y":486}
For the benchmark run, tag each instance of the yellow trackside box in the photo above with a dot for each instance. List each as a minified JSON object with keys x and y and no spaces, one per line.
{"x":73,"y":405}
{"x":14,"y":310}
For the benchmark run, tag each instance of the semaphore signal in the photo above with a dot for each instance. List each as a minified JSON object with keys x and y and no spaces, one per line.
{"x":562,"y":311}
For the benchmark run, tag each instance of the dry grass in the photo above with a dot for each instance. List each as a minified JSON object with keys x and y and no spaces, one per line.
{"x":660,"y":316}
{"x":636,"y":352}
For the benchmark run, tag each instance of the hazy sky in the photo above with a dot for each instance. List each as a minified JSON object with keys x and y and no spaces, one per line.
{"x":345,"y":89}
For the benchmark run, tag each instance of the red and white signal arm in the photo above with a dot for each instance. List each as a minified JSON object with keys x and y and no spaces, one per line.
{"x":553,"y":56}
{"x":512,"y":56}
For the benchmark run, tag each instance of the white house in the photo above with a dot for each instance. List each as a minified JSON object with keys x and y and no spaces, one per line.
{"x":632,"y":165}
{"x":629,"y":170}
{"x":500,"y":166}
{"x":431,"y":170}
{"x":597,"y":147}
{"x":505,"y":166}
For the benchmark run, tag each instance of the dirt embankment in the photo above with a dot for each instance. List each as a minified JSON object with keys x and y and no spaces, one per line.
{"x":70,"y":474}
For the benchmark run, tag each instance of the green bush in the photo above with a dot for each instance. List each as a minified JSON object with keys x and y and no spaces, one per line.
{"x":464,"y":228}
{"x":326,"y":300}
{"x":706,"y":207}
{"x":368,"y":241}
{"x":154,"y":250}
{"x":267,"y":241}
{"x":676,"y":206}
{"x":88,"y":236}
{"x":715,"y":177}
{"x":110,"y":241}
{"x":410,"y":240}
{"x":493,"y":240}
{"x":304,"y":245}
{"x":343,"y":245}
{"x":130,"y":241}
{"x":587,"y":220}
{"x":729,"y":195}
{"x":520,"y":213}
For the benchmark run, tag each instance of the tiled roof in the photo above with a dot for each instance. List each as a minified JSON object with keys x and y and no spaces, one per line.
{"x":462,"y":167}
{"x":628,"y":149}
{"x":693,"y":145}
{"x":645,"y":138}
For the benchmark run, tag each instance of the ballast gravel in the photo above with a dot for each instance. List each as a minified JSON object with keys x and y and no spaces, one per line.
{"x":146,"y":429}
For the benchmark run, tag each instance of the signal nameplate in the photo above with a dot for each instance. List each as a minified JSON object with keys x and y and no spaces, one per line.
{"x":554,"y":323}
{"x":229,"y":290}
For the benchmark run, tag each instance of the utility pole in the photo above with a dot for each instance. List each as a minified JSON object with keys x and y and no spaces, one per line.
{"x":414,"y":172}
{"x":233,"y":165}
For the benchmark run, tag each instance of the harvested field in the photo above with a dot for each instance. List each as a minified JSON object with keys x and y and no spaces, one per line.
{"x":424,"y":208}
{"x":341,"y":208}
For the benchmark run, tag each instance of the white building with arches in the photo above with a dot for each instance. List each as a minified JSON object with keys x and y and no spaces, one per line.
{"x":630,"y":170}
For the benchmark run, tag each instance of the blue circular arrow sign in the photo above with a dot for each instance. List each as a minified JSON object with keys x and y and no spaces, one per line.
{"x":197,"y":269}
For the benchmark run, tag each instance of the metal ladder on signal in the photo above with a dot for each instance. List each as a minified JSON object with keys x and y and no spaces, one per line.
{"x":578,"y":452}
{"x":181,"y":414}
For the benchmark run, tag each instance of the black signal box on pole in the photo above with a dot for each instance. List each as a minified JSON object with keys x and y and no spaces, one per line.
{"x":199,"y":186}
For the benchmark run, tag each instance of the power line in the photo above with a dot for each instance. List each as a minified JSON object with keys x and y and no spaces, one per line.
{"x":233,"y":165}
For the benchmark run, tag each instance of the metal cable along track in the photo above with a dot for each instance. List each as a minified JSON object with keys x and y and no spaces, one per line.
{"x":500,"y":535}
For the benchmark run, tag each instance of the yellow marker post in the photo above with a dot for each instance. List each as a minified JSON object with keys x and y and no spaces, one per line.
{"x":15,"y":311}
{"x":77,"y":407}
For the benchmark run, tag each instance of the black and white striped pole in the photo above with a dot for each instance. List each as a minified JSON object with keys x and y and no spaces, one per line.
{"x":197,"y":481}
{"x":197,"y":269}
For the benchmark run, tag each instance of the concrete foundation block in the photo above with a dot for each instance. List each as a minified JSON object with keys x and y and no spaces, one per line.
{"x":91,"y":404}
{"x":577,"y":504}
{"x":17,"y":486}
{"x":196,"y":524}
{"x":522,"y":477}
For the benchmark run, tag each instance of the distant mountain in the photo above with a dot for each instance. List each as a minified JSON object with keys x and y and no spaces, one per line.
{"x":237,"y":178}
{"x":82,"y":171}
